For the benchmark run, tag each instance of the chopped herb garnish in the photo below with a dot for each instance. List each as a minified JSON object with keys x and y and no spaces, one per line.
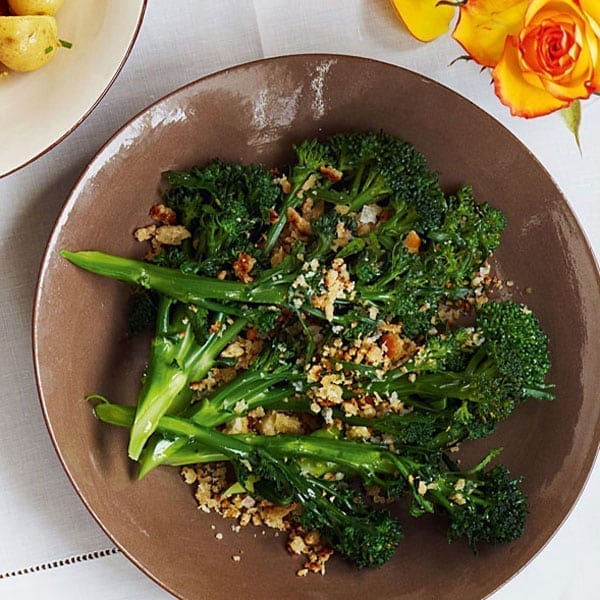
{"x":65,"y":44}
{"x":48,"y":49}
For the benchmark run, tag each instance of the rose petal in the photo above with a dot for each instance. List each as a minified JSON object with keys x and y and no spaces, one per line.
{"x":423,"y":19}
{"x":567,"y":92}
{"x":592,"y":9}
{"x":522,"y":94}
{"x":538,"y":9}
{"x":484,"y":24}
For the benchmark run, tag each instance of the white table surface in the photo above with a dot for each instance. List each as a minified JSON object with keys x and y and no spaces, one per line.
{"x":50,"y":547}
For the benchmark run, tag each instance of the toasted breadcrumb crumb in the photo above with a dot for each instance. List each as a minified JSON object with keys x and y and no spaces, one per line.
{"x":211,"y":485}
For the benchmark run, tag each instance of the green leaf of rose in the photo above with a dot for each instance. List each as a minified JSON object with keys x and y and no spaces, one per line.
{"x":572,"y":117}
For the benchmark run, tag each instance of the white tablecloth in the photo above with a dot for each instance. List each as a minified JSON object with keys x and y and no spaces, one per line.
{"x":50,"y":547}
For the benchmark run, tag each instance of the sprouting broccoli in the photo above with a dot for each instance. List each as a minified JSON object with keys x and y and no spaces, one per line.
{"x":482,"y":505}
{"x":396,"y":273}
{"x":390,"y":281}
{"x":508,"y":364}
{"x":353,"y":236}
{"x":452,"y":405}
{"x":271,"y":378}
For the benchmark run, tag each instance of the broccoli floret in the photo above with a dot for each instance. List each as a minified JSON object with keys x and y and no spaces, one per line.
{"x":518,"y":346}
{"x":311,"y":156}
{"x":415,"y":309}
{"x":496,"y":513}
{"x":377,"y":167}
{"x":366,"y":536}
{"x":482,"y":506}
{"x":467,"y":237}
{"x":305,"y":174}
{"x":226,"y":209}
{"x":413,"y":429}
{"x":449,"y":351}
{"x":324,"y":233}
{"x":263,"y":317}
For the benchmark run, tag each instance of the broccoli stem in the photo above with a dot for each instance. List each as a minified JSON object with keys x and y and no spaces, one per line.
{"x":355,"y":198}
{"x":269,"y":380}
{"x":368,"y":460}
{"x":185,"y":287}
{"x":175,"y":361}
{"x":209,"y":414}
{"x":223,"y":406}
{"x":290,"y":201}
{"x":426,"y":385}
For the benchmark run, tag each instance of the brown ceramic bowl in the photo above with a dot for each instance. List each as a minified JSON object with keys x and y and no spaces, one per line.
{"x":255,"y":112}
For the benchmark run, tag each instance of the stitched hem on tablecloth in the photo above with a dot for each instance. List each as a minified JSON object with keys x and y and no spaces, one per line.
{"x":70,"y":560}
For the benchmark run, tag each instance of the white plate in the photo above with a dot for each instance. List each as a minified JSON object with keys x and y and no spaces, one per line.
{"x":40,"y":108}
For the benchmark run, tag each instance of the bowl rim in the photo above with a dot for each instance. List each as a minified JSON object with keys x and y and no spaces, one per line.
{"x":86,"y":114}
{"x":593,"y":454}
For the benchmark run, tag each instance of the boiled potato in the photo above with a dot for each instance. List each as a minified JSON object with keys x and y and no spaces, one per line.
{"x":35,"y":7}
{"x":27,"y":43}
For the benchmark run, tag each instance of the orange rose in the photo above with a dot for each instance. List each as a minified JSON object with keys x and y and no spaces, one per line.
{"x":544,"y":53}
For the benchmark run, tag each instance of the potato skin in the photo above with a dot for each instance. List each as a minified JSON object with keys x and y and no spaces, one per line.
{"x":27,"y":43}
{"x":35,"y":7}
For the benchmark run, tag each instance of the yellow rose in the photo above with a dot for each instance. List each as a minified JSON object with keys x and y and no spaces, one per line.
{"x":544,"y":53}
